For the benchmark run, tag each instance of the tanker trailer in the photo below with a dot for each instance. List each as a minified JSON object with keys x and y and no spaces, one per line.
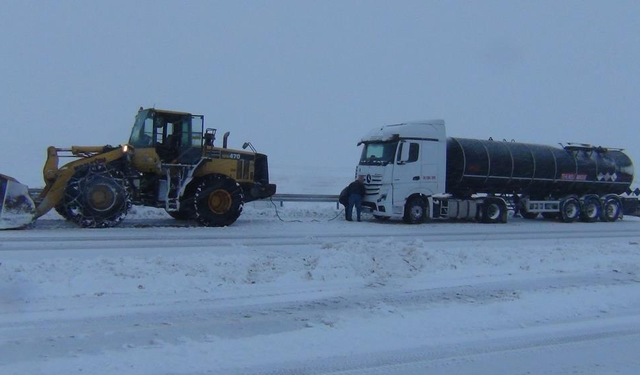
{"x":414,"y":172}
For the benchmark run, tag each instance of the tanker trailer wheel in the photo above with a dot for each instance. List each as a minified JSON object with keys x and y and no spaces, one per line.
{"x":493,"y":212}
{"x":218,"y":201}
{"x":526,"y":214}
{"x":591,"y":210}
{"x":570,"y":210}
{"x":416,"y":210}
{"x":96,"y":197}
{"x":611,"y":209}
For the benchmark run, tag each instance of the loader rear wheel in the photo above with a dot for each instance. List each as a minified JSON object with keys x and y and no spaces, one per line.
{"x":180,"y":215}
{"x":186,"y":205}
{"x":218,"y":201}
{"x":96,"y":197}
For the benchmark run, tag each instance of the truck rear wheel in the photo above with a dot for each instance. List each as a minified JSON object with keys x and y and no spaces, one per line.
{"x":591,"y":210}
{"x":611,"y":210}
{"x":493,"y":212}
{"x":570,"y":210}
{"x":218,"y":201}
{"x":416,"y":210}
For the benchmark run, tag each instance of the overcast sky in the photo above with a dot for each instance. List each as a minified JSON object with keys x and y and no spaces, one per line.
{"x":305,"y":80}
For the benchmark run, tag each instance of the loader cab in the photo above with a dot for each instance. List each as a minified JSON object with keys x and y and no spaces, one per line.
{"x":176,"y":137}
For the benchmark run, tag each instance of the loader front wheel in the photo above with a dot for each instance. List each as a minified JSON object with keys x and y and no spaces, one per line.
{"x":218,"y":201}
{"x":96,"y":197}
{"x":62,"y":211}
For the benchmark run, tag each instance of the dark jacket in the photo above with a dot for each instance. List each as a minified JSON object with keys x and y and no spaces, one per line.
{"x":357,"y":187}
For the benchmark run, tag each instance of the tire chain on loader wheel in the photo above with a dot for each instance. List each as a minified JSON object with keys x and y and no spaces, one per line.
{"x":60,"y":209}
{"x":218,"y":201}
{"x":96,"y":197}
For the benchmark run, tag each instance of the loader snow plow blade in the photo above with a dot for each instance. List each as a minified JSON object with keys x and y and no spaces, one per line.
{"x":17,"y":209}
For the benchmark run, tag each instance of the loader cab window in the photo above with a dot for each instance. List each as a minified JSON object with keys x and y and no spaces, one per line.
{"x":142,"y":133}
{"x":197,"y":128}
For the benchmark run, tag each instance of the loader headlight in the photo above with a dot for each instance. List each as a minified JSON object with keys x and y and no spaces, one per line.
{"x":125,"y":149}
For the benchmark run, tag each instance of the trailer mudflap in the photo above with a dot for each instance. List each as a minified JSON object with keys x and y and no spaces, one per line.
{"x":17,"y":209}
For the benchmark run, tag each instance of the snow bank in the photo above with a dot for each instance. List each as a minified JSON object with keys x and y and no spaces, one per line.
{"x":202,"y":271}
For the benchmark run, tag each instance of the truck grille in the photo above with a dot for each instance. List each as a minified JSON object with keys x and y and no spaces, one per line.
{"x":373,"y":187}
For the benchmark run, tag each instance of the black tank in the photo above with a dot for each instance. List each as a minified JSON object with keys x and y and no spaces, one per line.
{"x":479,"y":166}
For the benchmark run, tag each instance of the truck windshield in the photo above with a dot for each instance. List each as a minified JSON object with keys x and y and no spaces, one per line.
{"x":378,"y":153}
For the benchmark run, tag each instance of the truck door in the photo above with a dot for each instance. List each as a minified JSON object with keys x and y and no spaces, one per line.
{"x":407,"y":171}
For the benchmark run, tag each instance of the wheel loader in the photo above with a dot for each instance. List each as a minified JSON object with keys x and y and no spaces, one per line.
{"x":170,"y":162}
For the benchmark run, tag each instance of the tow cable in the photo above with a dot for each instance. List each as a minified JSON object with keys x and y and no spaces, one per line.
{"x":275,"y":207}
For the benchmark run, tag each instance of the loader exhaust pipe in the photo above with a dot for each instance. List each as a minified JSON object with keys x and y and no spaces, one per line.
{"x":17,"y":209}
{"x":224,"y":139}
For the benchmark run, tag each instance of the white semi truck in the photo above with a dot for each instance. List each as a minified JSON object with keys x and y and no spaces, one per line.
{"x":414,"y":172}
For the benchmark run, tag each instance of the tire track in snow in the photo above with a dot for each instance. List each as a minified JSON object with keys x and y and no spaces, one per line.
{"x":187,"y":240}
{"x":255,"y":314}
{"x":426,"y":359}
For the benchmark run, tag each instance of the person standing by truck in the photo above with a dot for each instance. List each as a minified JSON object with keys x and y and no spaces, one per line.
{"x":356,"y":192}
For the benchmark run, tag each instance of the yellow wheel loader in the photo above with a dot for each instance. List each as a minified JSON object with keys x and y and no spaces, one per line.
{"x":170,"y":162}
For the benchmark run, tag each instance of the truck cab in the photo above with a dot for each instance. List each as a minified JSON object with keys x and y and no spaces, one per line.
{"x":403,"y":164}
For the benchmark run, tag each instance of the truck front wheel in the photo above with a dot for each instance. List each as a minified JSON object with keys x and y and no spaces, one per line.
{"x":416,"y":210}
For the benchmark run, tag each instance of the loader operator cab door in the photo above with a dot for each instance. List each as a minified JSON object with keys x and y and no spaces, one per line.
{"x":176,"y":137}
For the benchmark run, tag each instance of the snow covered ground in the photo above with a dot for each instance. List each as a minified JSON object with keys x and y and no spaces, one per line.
{"x":316,"y":295}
